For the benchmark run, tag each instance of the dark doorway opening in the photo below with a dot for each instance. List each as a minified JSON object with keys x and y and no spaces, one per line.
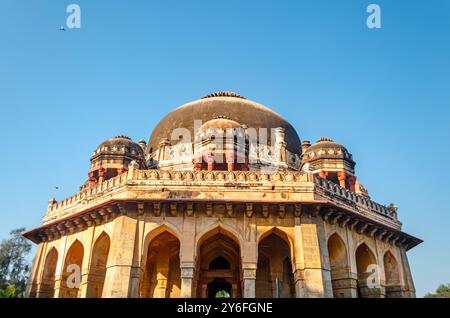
{"x":219,"y":263}
{"x":219,"y":288}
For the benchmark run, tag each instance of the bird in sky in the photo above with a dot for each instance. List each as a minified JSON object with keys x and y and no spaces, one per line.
{"x":61,"y":28}
{"x":57,"y":188}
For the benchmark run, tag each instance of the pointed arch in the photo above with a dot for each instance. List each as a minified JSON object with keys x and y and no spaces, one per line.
{"x":213,"y":244}
{"x":213,"y":230}
{"x":391,"y":273}
{"x":339,"y":266}
{"x":97,"y":268}
{"x":71,"y":270}
{"x":368,"y":273}
{"x":150,"y":236}
{"x":274,"y":272}
{"x":162,"y":272}
{"x":280,"y":233}
{"x":47,"y":286}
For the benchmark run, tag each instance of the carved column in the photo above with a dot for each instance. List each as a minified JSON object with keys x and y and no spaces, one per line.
{"x":187,"y":254}
{"x":249,"y":254}
{"x":187,"y":279}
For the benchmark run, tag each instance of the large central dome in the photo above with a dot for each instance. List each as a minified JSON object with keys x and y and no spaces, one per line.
{"x":224,"y":105}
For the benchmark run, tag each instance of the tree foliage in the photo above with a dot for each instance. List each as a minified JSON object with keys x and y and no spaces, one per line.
{"x":14,"y":265}
{"x":443,"y":291}
{"x":222,"y":294}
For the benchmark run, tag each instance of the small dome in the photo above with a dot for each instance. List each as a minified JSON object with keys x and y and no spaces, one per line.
{"x":326,"y":148}
{"x":119,"y":146}
{"x":223,"y":105}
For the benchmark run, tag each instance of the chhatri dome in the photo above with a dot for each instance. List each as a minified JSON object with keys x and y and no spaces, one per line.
{"x":210,"y":207}
{"x":227,"y":105}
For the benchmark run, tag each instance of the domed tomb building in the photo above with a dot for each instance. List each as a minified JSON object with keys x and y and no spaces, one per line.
{"x":224,"y":199}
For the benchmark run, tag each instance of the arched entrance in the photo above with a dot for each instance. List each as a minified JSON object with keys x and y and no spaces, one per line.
{"x":392,"y":275}
{"x":47,"y":288}
{"x":162,"y":275}
{"x":218,"y":266}
{"x":274,"y":276}
{"x":368,"y":274}
{"x":72,"y":271}
{"x":97,"y":269}
{"x":340,"y":270}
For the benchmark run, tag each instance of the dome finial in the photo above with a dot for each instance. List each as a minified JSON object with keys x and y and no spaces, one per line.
{"x":223,"y":94}
{"x":325,"y":139}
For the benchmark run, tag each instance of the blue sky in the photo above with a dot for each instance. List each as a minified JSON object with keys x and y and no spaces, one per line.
{"x":383,"y":93}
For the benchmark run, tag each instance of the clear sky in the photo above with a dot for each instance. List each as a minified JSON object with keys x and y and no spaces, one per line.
{"x":383,"y":93}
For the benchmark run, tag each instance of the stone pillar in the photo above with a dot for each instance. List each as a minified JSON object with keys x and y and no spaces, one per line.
{"x":323,"y":252}
{"x":280,"y":145}
{"x":352,"y":183}
{"x":409,"y":291}
{"x":85,"y":270}
{"x":121,"y":171}
{"x":312,"y":277}
{"x":35,"y":271}
{"x":60,"y":266}
{"x":92,"y":179}
{"x":101,"y":175}
{"x":164,"y":144}
{"x":230,"y":162}
{"x":249,"y":281}
{"x":342,"y":179}
{"x":187,"y":256}
{"x":122,"y":273}
{"x":298,"y":281}
{"x":210,"y":162}
{"x":298,"y":263}
{"x":323,"y":174}
{"x":345,"y":285}
{"x":187,"y":278}
{"x":162,"y":273}
{"x":249,"y":256}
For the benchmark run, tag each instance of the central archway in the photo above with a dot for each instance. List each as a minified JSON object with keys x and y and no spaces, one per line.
{"x":220,"y":288}
{"x":218,"y":266}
